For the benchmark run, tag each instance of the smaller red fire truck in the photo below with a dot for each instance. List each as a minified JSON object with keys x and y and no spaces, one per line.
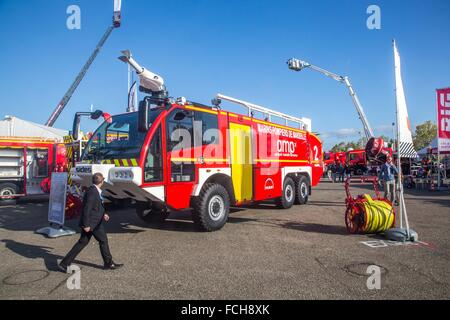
{"x":359,"y":164}
{"x":330,"y":158}
{"x":25,"y":163}
{"x":356,"y":161}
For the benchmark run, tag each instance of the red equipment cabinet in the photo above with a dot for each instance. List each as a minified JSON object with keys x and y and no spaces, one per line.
{"x":193,"y":156}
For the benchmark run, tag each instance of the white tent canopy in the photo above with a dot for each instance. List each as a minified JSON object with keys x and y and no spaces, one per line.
{"x":433,"y":145}
{"x":14,"y":127}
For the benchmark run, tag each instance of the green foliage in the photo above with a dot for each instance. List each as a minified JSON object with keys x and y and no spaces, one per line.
{"x":425,"y":133}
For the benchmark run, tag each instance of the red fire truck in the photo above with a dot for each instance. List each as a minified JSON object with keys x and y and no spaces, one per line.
{"x":25,"y":163}
{"x":357,"y":161}
{"x":329,"y":159}
{"x":186,"y":155}
{"x":359,"y":164}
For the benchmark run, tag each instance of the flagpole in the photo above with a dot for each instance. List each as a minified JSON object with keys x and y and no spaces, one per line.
{"x":404,"y":147}
{"x":399,"y":192}
{"x":439,"y":150}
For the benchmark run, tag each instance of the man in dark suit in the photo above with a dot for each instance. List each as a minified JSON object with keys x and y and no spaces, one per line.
{"x":91,"y":223}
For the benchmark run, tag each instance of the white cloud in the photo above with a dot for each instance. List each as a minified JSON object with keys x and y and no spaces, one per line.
{"x":342,"y":133}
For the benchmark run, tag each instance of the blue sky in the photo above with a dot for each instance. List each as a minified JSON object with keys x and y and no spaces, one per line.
{"x":238,"y":48}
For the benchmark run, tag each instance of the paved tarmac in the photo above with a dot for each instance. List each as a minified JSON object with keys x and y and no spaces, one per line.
{"x":262,"y":253}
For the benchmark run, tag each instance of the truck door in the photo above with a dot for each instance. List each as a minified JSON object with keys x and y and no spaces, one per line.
{"x":241,"y":161}
{"x":37,"y":169}
{"x":181,"y":173}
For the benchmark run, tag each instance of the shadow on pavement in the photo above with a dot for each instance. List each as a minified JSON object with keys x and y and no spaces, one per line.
{"x":327,"y":203}
{"x":293,"y":225}
{"x":31,"y":218}
{"x":30,"y":251}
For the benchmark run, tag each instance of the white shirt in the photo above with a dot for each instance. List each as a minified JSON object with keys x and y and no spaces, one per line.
{"x":99,"y":192}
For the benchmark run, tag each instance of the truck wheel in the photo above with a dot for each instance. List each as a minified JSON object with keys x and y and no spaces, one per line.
{"x":7,"y":190}
{"x":288,"y":197}
{"x":211,"y":208}
{"x":302,"y":190}
{"x":151,"y":214}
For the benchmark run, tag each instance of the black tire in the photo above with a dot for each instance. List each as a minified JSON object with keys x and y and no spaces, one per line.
{"x":302,"y":190}
{"x":287,"y":199}
{"x":211,"y":208}
{"x":151,"y":214}
{"x":8,"y":189}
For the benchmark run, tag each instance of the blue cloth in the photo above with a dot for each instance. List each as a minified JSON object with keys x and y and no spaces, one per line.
{"x":387,"y":172}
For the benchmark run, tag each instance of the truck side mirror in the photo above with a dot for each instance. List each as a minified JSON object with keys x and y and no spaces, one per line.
{"x":143,"y":114}
{"x":76,"y":127}
{"x":96,"y":114}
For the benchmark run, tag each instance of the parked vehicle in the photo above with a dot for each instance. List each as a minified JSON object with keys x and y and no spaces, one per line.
{"x":25,"y":163}
{"x":175,"y":156}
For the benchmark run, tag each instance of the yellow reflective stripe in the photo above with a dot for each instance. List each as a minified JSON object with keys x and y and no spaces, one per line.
{"x":201,"y":110}
{"x":117,"y":163}
{"x":134,"y":162}
{"x":125,"y":162}
{"x":183,"y":159}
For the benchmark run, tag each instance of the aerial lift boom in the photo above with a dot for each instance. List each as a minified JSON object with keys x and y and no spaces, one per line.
{"x":62,"y":104}
{"x":298,"y":65}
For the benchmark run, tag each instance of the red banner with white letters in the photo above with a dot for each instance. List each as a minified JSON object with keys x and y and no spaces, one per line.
{"x":443,"y":98}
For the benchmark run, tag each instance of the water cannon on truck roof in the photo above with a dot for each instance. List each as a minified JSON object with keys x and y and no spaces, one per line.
{"x":149,"y":82}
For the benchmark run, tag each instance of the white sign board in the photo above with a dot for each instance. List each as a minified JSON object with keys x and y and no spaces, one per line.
{"x":57,"y":201}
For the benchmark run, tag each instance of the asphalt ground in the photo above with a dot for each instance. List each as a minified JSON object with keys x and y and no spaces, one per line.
{"x":262,"y":253}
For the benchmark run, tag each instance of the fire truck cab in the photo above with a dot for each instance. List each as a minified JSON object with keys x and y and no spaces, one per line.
{"x":176,"y":156}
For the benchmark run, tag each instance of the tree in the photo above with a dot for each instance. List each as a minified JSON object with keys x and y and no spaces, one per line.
{"x":340,"y":147}
{"x":425,"y":133}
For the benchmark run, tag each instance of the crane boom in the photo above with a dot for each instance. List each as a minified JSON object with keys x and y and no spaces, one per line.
{"x":299,"y":65}
{"x":62,"y":104}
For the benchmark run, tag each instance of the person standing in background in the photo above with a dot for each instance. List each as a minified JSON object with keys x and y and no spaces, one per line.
{"x":387,"y":176}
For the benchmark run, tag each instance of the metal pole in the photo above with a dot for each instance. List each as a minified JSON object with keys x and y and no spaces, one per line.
{"x":129,"y":79}
{"x":439,"y":150}
{"x":399,"y":168}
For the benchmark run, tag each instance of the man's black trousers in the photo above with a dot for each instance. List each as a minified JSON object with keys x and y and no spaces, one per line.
{"x":99,"y":234}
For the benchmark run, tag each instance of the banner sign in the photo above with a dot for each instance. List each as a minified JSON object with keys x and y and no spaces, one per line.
{"x":443,"y":117}
{"x":57,"y":201}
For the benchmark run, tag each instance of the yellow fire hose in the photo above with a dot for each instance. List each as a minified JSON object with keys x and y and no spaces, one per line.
{"x":379,"y":215}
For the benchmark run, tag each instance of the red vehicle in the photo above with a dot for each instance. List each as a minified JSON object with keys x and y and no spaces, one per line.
{"x":25,"y":163}
{"x":330,"y":159}
{"x":175,"y":156}
{"x":359,"y":163}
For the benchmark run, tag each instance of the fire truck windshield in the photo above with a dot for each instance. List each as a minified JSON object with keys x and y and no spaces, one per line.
{"x":117,"y":139}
